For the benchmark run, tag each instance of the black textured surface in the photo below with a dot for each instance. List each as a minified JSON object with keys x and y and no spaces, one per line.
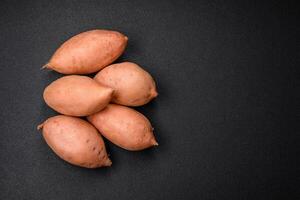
{"x":226,"y":75}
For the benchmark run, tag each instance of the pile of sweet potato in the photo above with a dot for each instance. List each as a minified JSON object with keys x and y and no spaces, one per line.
{"x":103,"y":100}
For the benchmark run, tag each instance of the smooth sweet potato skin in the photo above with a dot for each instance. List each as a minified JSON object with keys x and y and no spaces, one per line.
{"x":133,"y":86}
{"x":77,"y":95}
{"x":124,"y":127}
{"x":75,"y":141}
{"x":88,"y":52}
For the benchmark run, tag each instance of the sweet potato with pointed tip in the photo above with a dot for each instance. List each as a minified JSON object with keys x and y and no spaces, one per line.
{"x":133,"y":86}
{"x":124,"y":127}
{"x":75,"y":141}
{"x":77,"y":95}
{"x":88,"y":52}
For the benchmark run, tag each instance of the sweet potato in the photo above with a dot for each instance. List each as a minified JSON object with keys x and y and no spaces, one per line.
{"x":88,"y":52}
{"x":77,"y":95}
{"x":133,"y":86}
{"x":75,"y":141}
{"x":124,"y":127}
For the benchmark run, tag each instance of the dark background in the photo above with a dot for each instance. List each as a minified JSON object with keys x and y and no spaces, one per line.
{"x":226,"y":75}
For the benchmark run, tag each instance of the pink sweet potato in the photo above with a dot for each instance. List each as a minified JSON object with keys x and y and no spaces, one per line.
{"x":75,"y":141}
{"x":124,"y":127}
{"x":77,"y":95}
{"x":132,"y":85}
{"x":88,"y":52}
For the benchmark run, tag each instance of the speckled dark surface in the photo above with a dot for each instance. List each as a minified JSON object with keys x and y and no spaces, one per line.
{"x":226,"y":75}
